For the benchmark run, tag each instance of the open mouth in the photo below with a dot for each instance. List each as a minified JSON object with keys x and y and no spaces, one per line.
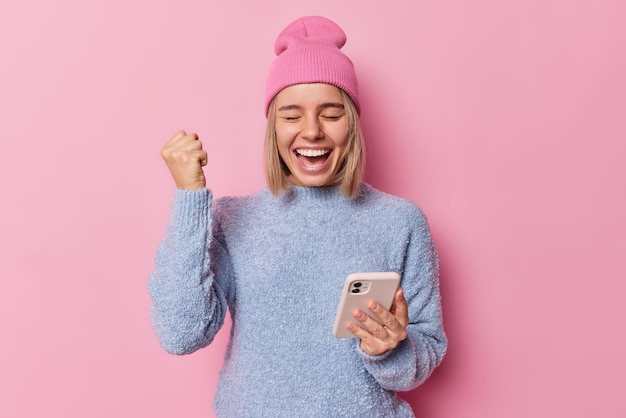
{"x":312,"y":159}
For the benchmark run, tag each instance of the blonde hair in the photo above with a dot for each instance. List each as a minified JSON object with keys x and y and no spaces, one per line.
{"x":351,"y":170}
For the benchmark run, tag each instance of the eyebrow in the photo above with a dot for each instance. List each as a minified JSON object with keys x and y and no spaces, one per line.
{"x":324,"y":106}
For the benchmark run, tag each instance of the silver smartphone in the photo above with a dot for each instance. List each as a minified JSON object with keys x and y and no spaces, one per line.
{"x":358,"y":290}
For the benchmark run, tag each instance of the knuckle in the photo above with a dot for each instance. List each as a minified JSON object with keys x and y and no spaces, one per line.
{"x":174,"y":155}
{"x":403,"y":335}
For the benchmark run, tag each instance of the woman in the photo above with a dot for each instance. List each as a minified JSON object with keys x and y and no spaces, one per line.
{"x":278,"y":259}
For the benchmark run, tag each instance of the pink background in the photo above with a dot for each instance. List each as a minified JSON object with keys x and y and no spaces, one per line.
{"x":504,"y":120}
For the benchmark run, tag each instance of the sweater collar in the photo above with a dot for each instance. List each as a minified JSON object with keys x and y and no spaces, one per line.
{"x":318,"y":194}
{"x":314,"y":193}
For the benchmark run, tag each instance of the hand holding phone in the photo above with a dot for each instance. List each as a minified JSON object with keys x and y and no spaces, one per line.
{"x":359,"y":289}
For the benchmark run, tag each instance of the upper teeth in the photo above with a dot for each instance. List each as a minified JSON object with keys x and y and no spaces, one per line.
{"x":312,"y":152}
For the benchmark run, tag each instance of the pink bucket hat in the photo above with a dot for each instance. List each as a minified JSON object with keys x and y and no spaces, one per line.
{"x":309,"y":51}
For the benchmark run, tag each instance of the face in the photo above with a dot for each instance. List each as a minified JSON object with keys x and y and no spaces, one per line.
{"x":311,"y":132}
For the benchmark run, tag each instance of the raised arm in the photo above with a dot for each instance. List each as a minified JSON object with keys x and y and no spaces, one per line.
{"x":189,"y":304}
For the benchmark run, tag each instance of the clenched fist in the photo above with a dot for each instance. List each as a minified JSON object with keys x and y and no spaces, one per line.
{"x":185,"y":158}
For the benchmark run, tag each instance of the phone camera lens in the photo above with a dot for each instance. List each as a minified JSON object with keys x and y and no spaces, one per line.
{"x":355,"y":290}
{"x":357,"y":284}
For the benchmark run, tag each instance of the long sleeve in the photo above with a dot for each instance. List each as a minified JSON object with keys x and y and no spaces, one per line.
{"x":188,"y":303}
{"x":410,"y":364}
{"x":277,"y":265}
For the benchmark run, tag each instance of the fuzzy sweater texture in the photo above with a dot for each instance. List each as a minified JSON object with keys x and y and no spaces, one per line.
{"x":278,"y":264}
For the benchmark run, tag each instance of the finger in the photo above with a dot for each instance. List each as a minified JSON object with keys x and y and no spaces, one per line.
{"x":360,"y":332}
{"x":189,"y":142}
{"x":182,"y":145}
{"x":181,"y":139}
{"x":177,"y":136}
{"x":196,"y":155}
{"x":173,"y":144}
{"x":402,"y":307}
{"x":384,"y":315}
{"x":373,"y":326}
{"x":369,"y":343}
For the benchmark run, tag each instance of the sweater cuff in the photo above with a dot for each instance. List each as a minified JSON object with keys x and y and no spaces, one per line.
{"x":190,"y":209}
{"x":403,"y":350}
{"x":369,"y":357}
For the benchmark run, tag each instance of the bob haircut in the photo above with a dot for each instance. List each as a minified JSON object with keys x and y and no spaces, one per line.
{"x":351,"y":169}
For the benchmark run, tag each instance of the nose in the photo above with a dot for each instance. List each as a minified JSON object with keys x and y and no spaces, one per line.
{"x":312,"y":129}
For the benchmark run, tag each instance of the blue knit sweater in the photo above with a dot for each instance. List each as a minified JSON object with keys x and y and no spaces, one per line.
{"x":279,"y":264}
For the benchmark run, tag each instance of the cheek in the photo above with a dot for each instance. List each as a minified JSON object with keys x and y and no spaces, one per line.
{"x":284,"y":135}
{"x":283,"y":146}
{"x":341,"y":138}
{"x":339,"y":133}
